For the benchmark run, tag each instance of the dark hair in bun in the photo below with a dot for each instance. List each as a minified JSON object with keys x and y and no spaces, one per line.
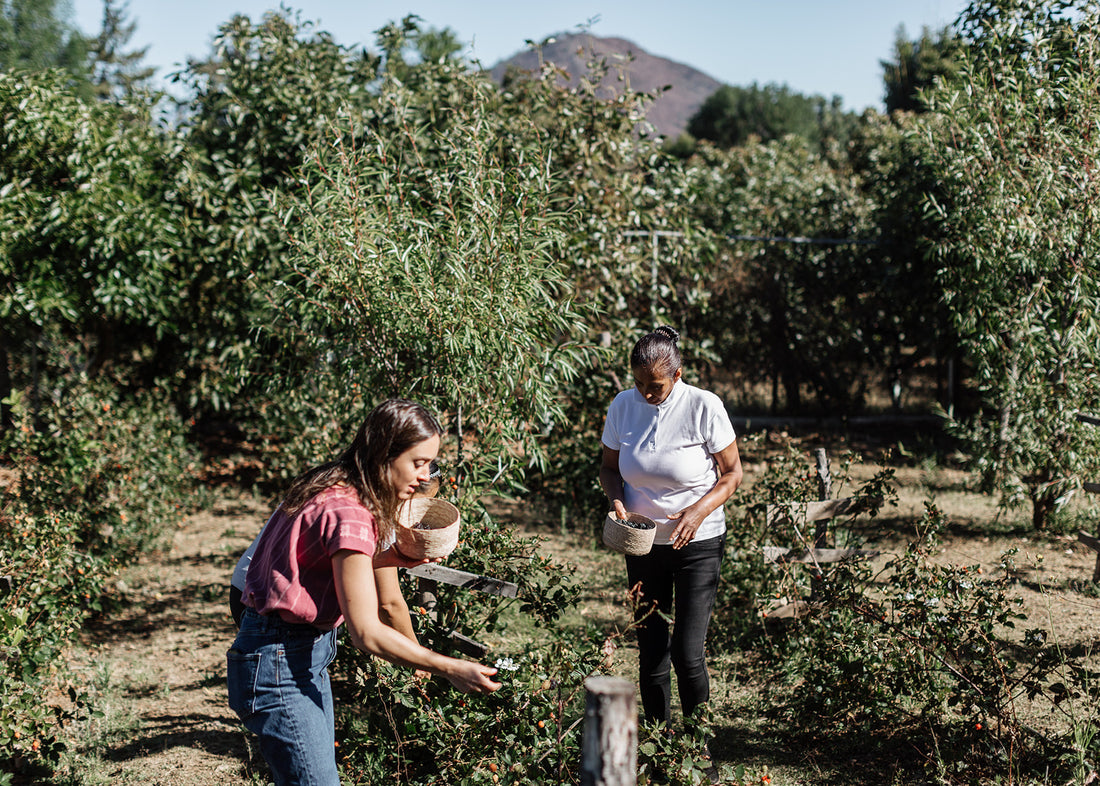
{"x":658,"y":352}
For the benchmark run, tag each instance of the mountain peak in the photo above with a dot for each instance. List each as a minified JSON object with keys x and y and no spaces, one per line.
{"x":647,"y":73}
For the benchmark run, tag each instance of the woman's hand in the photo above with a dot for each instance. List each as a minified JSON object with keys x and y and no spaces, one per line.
{"x":470,"y":677}
{"x":392,"y":558}
{"x":691,"y":518}
{"x":620,"y":510}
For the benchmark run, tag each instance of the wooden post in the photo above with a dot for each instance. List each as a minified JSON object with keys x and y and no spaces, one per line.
{"x":825,"y":487}
{"x":1094,"y":544}
{"x":609,"y":753}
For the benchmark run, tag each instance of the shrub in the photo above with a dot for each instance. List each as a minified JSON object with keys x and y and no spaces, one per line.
{"x":928,"y":652}
{"x":49,"y":588}
{"x":120,"y":464}
{"x":528,"y":731}
{"x":101,"y":478}
{"x":748,"y":585}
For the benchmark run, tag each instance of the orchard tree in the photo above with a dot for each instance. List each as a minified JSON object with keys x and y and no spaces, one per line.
{"x":39,"y":34}
{"x":426,"y":261}
{"x":793,"y":311}
{"x":906,"y":321}
{"x":265,"y":97}
{"x":916,"y":66}
{"x":1015,"y":146}
{"x":732,"y":115}
{"x":88,"y":224}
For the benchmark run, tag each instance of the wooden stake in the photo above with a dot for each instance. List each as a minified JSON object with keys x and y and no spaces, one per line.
{"x":609,"y":753}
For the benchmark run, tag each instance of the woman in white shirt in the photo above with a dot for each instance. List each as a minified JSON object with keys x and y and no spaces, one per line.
{"x":670,"y":453}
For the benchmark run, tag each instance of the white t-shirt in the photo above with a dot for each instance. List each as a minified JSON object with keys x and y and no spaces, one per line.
{"x":240,"y":572}
{"x":666,"y":453}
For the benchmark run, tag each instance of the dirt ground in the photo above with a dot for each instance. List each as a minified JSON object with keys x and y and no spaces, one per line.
{"x":157,"y":664}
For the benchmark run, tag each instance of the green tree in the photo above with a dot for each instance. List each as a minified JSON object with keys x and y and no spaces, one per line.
{"x":116,"y":72}
{"x":917,"y":64}
{"x":733,"y":115}
{"x":1014,"y":148}
{"x":88,"y":223}
{"x":428,"y":267}
{"x":906,"y":322}
{"x":786,"y":307}
{"x":38,"y":34}
{"x":267,"y":94}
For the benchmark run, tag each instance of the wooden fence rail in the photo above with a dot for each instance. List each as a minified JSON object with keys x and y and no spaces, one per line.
{"x":819,"y":512}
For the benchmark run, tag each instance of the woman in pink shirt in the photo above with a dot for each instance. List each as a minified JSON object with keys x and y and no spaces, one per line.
{"x":313,"y":569}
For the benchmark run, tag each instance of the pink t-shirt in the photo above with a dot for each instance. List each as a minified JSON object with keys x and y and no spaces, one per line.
{"x":291,"y":572}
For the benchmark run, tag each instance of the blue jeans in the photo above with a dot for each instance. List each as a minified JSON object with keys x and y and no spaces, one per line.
{"x":682,"y":584}
{"x":279,"y":686}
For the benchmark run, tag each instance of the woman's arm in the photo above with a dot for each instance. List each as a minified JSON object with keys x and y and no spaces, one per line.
{"x":392,"y":608}
{"x":730,"y":474}
{"x":612,"y":481}
{"x":358,"y":597}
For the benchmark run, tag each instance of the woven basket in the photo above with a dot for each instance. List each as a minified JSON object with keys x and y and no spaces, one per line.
{"x":625,"y":539}
{"x":437,"y":533}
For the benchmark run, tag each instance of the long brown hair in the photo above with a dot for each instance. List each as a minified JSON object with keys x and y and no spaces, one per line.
{"x":389,"y":430}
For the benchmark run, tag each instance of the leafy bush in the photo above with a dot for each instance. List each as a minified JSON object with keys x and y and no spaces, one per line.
{"x":748,"y":586}
{"x":99,"y":480}
{"x":927,"y":652}
{"x":121,"y":465}
{"x":49,"y":588}
{"x":528,"y":731}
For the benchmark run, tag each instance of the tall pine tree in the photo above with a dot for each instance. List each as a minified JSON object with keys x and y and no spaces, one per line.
{"x":116,"y":72}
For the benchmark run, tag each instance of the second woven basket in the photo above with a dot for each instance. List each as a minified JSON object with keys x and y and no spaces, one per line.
{"x":633,"y":536}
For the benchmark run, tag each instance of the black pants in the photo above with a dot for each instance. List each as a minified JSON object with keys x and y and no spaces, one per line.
{"x":683,"y":584}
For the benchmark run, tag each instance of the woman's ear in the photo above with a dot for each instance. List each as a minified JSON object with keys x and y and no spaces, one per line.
{"x":679,"y":373}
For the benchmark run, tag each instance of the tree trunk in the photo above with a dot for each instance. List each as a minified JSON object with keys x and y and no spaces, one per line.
{"x":1042,"y":505}
{"x":6,"y":420}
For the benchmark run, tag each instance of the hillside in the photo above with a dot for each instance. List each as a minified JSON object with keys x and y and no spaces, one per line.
{"x":669,"y":114}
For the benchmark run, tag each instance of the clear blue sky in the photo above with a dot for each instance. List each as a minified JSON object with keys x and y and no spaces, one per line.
{"x":826,"y":47}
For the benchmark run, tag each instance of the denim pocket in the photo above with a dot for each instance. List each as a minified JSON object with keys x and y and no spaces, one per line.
{"x":241,"y":673}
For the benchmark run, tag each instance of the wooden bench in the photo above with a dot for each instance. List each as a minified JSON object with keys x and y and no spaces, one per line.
{"x":819,"y":512}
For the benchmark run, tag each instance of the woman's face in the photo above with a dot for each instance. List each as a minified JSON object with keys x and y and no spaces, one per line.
{"x":654,"y":385}
{"x":413,"y":467}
